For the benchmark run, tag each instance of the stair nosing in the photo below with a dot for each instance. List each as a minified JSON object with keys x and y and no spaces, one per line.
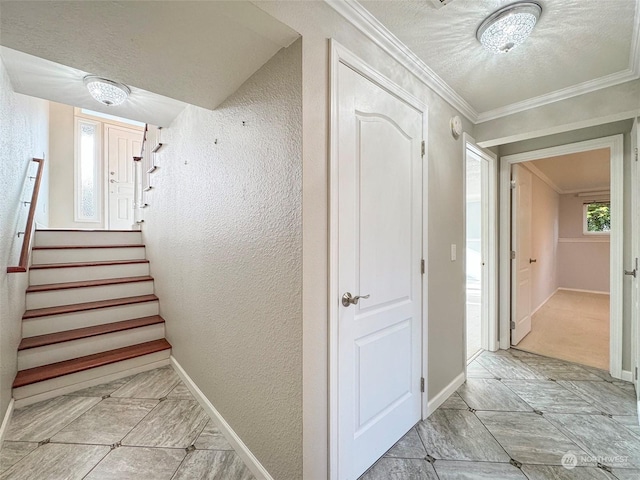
{"x":101,"y":263}
{"x":50,"y":287}
{"x":70,"y":247}
{"x":153,"y":346}
{"x":88,"y":332}
{"x":80,"y":307}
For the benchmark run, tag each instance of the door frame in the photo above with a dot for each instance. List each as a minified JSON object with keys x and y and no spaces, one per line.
{"x":635,"y":253}
{"x":616,"y":145}
{"x":341,"y":55}
{"x":490,"y":274}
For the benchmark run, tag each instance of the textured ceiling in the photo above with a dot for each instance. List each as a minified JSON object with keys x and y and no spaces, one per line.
{"x":585,"y":171}
{"x":575,"y":41}
{"x":41,"y":78}
{"x":195,"y":52}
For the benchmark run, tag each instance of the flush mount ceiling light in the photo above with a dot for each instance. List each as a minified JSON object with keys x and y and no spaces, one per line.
{"x":106,"y":91}
{"x":508,"y":27}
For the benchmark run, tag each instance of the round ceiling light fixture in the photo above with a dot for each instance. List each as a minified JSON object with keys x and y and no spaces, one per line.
{"x":106,"y":91}
{"x":508,"y":27}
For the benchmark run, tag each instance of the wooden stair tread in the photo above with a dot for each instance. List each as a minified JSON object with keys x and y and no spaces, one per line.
{"x":55,"y":370}
{"x":87,"y":283}
{"x":79,"y":307}
{"x":82,"y":230}
{"x":69,"y":247}
{"x":79,"y":333}
{"x":101,"y":263}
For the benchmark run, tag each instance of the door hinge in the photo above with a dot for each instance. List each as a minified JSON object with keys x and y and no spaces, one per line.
{"x":636,"y":373}
{"x":422,"y":384}
{"x":513,"y":254}
{"x":513,"y":325}
{"x":636,"y":154}
{"x":422,"y":267}
{"x":512,"y":184}
{"x":423,"y":149}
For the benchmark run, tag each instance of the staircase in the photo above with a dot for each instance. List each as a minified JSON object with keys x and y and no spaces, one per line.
{"x":91,"y":313}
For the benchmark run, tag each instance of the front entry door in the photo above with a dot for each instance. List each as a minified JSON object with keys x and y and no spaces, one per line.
{"x":122,"y":145}
{"x":521,"y":199}
{"x":379,"y":250}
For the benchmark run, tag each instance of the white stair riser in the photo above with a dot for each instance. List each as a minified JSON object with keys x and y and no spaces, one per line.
{"x":47,"y":276}
{"x":87,"y":318}
{"x":69,"y":255}
{"x":72,"y":296}
{"x":36,"y":357}
{"x":46,"y":238}
{"x":40,"y":391}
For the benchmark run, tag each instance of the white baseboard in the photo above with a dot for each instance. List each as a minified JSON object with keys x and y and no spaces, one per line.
{"x":232,"y":437}
{"x":445,"y":393}
{"x":627,"y":376}
{"x":583,"y":291}
{"x":545,"y":301}
{"x":5,"y":421}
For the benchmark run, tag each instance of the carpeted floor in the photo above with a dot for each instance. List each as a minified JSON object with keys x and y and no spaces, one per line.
{"x":572,"y":326}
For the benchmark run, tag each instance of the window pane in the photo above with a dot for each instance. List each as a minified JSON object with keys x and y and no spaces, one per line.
{"x":599,"y":217}
{"x":87,"y":193}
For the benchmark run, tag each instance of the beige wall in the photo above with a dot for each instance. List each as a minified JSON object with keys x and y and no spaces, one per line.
{"x":583,"y":260}
{"x":224,"y":236}
{"x":544,"y":242}
{"x":23,"y":135}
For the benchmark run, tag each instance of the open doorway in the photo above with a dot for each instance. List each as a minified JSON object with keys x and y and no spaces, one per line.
{"x":563,"y":233}
{"x":480,"y":250}
{"x":568,"y":255}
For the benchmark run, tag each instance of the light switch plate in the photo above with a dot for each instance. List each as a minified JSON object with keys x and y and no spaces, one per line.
{"x":454,"y":252}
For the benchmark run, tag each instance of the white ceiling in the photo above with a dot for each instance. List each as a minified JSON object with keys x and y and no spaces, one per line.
{"x":41,"y":78}
{"x":194,"y":52}
{"x":576,"y":172}
{"x":577,"y":46}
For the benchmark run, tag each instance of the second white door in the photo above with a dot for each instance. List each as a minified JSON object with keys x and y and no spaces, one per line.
{"x":121,"y":146}
{"x":380,"y":248}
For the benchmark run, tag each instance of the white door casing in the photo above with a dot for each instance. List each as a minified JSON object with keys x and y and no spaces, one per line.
{"x":635,"y":255}
{"x":521,"y":198}
{"x":377,"y":225}
{"x":120,"y":147}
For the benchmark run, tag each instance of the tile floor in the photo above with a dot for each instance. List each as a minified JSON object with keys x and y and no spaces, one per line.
{"x":515,"y":418}
{"x":144,"y":427}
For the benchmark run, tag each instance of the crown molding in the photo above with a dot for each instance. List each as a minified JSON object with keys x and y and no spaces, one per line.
{"x":370,"y":26}
{"x":559,"y":95}
{"x":366,"y":23}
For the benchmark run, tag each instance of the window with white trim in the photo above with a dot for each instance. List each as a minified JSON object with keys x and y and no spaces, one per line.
{"x":596,"y":218}
{"x":87,"y":171}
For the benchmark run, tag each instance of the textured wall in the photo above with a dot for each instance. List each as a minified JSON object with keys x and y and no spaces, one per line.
{"x":544,"y":223}
{"x":581,"y":265}
{"x":23,"y":135}
{"x":223,"y":232}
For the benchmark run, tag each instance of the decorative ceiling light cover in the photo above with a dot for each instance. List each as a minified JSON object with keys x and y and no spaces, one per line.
{"x":508,"y":27}
{"x":106,"y":91}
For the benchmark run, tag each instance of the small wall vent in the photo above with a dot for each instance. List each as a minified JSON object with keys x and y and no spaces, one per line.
{"x":440,"y":3}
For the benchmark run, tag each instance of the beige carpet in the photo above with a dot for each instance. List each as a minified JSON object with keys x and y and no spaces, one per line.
{"x":572,"y":326}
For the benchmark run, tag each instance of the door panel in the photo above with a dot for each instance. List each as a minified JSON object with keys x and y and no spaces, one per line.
{"x":521,"y":244}
{"x":122,"y":145}
{"x":380,"y":247}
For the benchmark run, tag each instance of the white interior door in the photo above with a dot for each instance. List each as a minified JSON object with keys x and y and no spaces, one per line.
{"x":521,"y":198}
{"x":121,"y":146}
{"x":380,"y":251}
